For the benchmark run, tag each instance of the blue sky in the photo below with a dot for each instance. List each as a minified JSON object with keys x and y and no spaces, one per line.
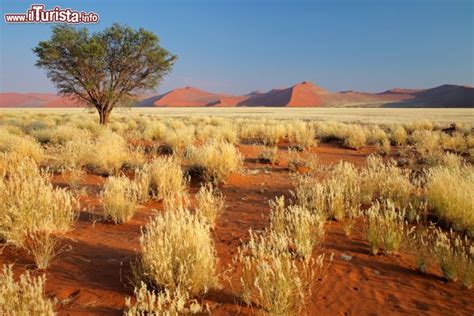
{"x":236,"y":46}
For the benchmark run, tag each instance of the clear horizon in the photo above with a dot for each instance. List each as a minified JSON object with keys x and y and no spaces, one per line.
{"x":236,"y":47}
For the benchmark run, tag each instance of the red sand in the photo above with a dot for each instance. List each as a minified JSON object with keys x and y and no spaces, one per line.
{"x":92,"y":277}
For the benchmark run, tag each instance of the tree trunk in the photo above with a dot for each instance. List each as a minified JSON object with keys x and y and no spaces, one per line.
{"x":104,"y":117}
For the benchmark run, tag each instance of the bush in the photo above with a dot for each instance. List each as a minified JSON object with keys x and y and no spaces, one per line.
{"x":178,"y":253}
{"x":210,"y":203}
{"x":24,"y":297}
{"x":120,"y":199}
{"x":215,"y":160}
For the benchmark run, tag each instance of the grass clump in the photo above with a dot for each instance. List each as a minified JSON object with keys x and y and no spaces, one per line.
{"x":178,"y":253}
{"x":23,"y":297}
{"x":303,"y":229}
{"x":455,"y":257}
{"x":273,"y":279}
{"x":385,"y":228}
{"x":209,"y":203}
{"x":162,"y":178}
{"x":449,"y":191}
{"x":22,"y":145}
{"x":120,"y":199}
{"x":151,"y":302}
{"x":30,"y":204}
{"x":268,"y":155}
{"x":215,"y":160}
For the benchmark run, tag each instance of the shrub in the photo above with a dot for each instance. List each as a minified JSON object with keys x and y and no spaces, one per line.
{"x":210,"y":203}
{"x":303,"y":229}
{"x":178,"y":252}
{"x":449,"y":192}
{"x":29,"y":203}
{"x":120,"y":199}
{"x":24,"y":297}
{"x":385,"y":228}
{"x":274,"y":280}
{"x":215,"y":160}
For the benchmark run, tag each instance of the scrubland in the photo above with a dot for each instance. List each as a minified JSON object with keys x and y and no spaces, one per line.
{"x":246,"y":214}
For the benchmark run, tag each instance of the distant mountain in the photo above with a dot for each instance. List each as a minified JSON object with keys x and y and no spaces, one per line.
{"x":304,"y":94}
{"x":34,"y":100}
{"x":452,"y":96}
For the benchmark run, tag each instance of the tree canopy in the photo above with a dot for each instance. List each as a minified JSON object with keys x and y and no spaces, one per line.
{"x":106,"y":68}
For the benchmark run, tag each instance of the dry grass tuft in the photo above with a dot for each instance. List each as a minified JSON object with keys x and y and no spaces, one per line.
{"x":120,"y":199}
{"x":178,"y":253}
{"x":209,"y":203}
{"x":215,"y":160}
{"x":30,"y":204}
{"x":23,"y":297}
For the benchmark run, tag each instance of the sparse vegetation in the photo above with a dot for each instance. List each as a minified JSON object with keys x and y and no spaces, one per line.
{"x":178,"y":253}
{"x":25,"y":296}
{"x":120,"y":199}
{"x":214,"y":160}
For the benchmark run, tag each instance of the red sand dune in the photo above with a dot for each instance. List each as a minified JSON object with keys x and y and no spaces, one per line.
{"x":304,"y":94}
{"x":34,"y":100}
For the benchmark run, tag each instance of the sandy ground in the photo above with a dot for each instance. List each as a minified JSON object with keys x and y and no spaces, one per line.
{"x":91,"y":277}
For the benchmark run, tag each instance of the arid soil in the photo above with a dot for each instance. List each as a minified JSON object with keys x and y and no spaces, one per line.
{"x":92,"y":275}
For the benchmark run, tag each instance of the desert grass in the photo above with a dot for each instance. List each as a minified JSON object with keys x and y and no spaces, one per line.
{"x":21,"y":145}
{"x":421,"y":242}
{"x":29,"y":204}
{"x":25,"y":296}
{"x":273,"y":279}
{"x":449,"y":195}
{"x":268,"y":155}
{"x":210,"y":203}
{"x":120,"y":199}
{"x":455,"y":257}
{"x":303,"y":229}
{"x":385,"y":228}
{"x":44,"y":247}
{"x":162,"y":178}
{"x":215,"y":160}
{"x":178,"y":253}
{"x":385,"y":181}
{"x":152,"y":302}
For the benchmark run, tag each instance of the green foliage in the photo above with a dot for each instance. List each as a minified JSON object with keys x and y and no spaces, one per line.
{"x":106,"y":68}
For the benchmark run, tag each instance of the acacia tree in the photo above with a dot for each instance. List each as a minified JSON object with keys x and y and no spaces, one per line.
{"x":106,"y":68}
